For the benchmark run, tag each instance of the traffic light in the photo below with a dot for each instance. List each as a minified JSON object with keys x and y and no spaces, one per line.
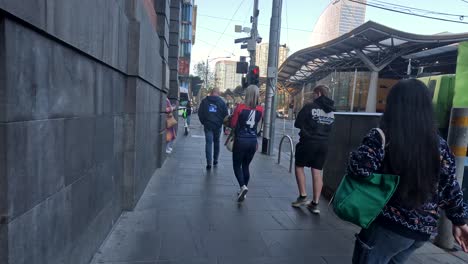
{"x":242,"y":67}
{"x":254,"y":75}
{"x":196,"y":85}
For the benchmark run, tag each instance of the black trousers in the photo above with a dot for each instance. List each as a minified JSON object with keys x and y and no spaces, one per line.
{"x":242,"y":154}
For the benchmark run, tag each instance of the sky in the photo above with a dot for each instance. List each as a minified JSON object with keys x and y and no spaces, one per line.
{"x":216,"y":20}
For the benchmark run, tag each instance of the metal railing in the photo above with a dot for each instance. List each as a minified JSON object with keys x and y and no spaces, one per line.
{"x":291,"y":144}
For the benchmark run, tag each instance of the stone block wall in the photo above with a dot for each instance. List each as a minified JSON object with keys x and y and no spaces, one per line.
{"x":81,"y":86}
{"x":174,"y":40}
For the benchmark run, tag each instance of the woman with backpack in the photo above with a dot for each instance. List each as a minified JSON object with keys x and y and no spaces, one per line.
{"x":425,"y":165}
{"x":244,"y":122}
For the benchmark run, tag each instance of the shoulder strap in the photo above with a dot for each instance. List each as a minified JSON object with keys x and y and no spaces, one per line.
{"x":382,"y":135}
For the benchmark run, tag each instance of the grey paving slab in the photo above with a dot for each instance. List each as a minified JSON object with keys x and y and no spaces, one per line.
{"x":437,"y":259}
{"x":271,"y":260}
{"x":307,"y":243}
{"x":337,"y":259}
{"x":189,"y":215}
{"x":129,"y":245}
{"x":189,"y":261}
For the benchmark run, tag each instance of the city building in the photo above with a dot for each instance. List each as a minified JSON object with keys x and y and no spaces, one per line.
{"x":262,"y":57}
{"x":98,"y":73}
{"x":337,"y":19}
{"x":226,"y":76}
{"x":187,"y":39}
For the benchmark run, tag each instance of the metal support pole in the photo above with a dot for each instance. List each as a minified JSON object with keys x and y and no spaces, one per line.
{"x":408,"y":69}
{"x":272,"y":74}
{"x":254,"y":34}
{"x":458,"y":142}
{"x":206,"y":74}
{"x":333,"y":86}
{"x":371,"y":105}
{"x":274,"y":102}
{"x":302,"y":95}
{"x":354,"y":91}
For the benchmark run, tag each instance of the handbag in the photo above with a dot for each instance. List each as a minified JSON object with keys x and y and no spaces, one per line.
{"x":230,"y":141}
{"x":169,"y":136}
{"x":227,"y":121}
{"x":170,"y":121}
{"x":360,"y":200}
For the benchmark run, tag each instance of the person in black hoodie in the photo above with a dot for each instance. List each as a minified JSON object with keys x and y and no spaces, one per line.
{"x":212,"y":112}
{"x":315,"y":121}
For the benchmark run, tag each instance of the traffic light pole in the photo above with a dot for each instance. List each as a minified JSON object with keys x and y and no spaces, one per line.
{"x":253,"y":36}
{"x":272,"y":74}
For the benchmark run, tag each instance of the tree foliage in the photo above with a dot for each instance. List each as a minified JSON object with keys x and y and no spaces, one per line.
{"x":203,"y":70}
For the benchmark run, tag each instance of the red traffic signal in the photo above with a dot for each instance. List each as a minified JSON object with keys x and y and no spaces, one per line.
{"x":256,"y":70}
{"x":254,"y":75}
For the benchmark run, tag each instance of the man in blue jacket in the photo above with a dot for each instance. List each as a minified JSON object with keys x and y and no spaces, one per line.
{"x":212,"y":112}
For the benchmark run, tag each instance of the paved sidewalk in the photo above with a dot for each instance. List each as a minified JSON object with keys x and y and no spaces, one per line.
{"x":188,"y":215}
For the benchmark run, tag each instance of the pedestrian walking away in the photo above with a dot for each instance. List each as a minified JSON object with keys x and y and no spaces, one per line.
{"x":315,"y":122}
{"x":211,"y":113}
{"x":170,"y":127}
{"x":244,"y":122}
{"x":426,"y":167}
{"x":188,"y":113}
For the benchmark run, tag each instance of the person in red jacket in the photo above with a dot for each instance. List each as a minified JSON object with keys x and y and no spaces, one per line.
{"x":244,"y":123}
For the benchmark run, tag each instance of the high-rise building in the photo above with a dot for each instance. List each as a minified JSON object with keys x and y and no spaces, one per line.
{"x":261,"y":57}
{"x":226,"y":76}
{"x":187,"y":39}
{"x":338,"y":18}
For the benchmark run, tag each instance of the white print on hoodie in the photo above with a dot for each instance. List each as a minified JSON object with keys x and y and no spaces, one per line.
{"x":321,"y":117}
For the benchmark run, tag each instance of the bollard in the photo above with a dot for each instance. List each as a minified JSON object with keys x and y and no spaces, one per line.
{"x":458,"y":142}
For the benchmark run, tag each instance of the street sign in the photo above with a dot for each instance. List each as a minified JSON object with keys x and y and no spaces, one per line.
{"x":241,"y":40}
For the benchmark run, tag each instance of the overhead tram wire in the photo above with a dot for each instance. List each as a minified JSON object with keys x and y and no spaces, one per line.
{"x":213,"y":45}
{"x":230,"y":20}
{"x":409,"y":8}
{"x":411,"y":14}
{"x":214,"y":31}
{"x":247,"y":16}
{"x":262,"y":24}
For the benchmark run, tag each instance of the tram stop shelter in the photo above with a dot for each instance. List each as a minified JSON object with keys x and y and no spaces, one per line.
{"x":383,"y":51}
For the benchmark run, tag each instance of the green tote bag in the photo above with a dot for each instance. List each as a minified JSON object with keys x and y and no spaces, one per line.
{"x":360,"y":200}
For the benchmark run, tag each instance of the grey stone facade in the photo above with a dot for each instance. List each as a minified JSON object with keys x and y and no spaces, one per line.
{"x":174,"y":42}
{"x":81,"y":125}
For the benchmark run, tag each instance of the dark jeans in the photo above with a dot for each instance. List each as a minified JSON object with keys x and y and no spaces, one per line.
{"x":378,"y":245}
{"x":242,"y":154}
{"x":212,"y":136}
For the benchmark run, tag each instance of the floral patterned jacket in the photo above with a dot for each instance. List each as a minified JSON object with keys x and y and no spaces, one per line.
{"x":368,"y":158}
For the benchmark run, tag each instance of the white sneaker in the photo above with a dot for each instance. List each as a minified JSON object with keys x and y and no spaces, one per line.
{"x":242,"y":193}
{"x":313,"y":207}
